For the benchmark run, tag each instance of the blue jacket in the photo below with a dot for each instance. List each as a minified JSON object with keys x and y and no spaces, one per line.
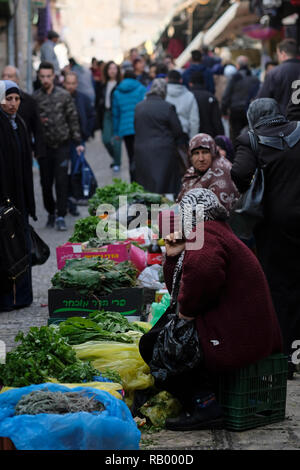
{"x":125,"y":98}
{"x":207,"y":75}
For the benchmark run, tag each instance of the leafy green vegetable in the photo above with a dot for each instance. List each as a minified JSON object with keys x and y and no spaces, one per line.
{"x":84,"y":229}
{"x":110,"y":194}
{"x":42,"y":354}
{"x":114,"y":322}
{"x":79,"y":330}
{"x":97,"y":275}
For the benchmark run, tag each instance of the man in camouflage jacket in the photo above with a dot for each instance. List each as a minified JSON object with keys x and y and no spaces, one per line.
{"x":61,"y":127}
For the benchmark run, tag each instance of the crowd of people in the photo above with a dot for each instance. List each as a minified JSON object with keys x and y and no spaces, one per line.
{"x":157,"y":109}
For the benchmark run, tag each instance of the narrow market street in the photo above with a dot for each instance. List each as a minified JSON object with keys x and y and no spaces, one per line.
{"x":280,"y":436}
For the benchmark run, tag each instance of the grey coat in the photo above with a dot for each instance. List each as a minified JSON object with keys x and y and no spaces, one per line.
{"x":157,"y":131}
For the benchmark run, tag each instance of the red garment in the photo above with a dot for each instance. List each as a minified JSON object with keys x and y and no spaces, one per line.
{"x":224,"y":287}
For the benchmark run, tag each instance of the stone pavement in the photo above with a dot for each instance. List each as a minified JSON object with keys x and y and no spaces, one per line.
{"x":284,"y":435}
{"x":37,"y":313}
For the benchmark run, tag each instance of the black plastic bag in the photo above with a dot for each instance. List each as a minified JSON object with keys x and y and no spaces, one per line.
{"x":40,"y":251}
{"x":176,"y":350}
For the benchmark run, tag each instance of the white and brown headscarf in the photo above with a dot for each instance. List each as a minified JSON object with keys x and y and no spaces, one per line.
{"x":197,"y":205}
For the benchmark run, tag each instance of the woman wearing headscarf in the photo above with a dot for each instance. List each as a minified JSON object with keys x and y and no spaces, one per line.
{"x":277,"y":237}
{"x":216,"y":282}
{"x":225,"y":147}
{"x":16,"y":184}
{"x":157,"y":132}
{"x":209,"y":170}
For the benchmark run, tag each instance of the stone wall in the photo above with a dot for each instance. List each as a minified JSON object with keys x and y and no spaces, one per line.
{"x":106,"y":29}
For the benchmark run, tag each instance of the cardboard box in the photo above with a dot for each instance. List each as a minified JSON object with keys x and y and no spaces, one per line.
{"x":64,"y":303}
{"x":119,"y":252}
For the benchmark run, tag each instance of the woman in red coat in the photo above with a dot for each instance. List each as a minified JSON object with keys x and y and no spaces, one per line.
{"x":222,"y":288}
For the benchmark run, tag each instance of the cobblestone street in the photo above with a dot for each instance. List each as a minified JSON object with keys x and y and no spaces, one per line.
{"x":37,"y":313}
{"x":285,"y":435}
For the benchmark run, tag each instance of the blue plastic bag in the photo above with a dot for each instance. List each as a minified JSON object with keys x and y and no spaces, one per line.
{"x":112,"y":429}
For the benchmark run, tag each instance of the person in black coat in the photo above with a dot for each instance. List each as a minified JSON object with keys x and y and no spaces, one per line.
{"x":209,"y":109}
{"x":240,"y":90}
{"x":157,"y":133}
{"x":16,"y":184}
{"x":278,"y":82}
{"x":28,"y":110}
{"x":278,"y":235}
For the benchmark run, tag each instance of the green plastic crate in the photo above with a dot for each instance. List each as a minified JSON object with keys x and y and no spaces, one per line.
{"x":255,"y":395}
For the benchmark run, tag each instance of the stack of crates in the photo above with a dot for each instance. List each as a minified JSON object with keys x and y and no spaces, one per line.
{"x":255,"y":395}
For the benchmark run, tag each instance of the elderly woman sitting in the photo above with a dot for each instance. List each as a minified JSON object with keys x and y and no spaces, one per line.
{"x":217,"y":283}
{"x":209,"y":170}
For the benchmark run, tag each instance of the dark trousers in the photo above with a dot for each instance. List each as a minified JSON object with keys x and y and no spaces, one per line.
{"x":54,"y":171}
{"x":129,"y":143}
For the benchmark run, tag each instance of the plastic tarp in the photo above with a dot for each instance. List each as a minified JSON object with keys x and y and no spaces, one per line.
{"x":112,"y":429}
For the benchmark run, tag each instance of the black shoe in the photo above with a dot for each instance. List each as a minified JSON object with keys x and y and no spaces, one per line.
{"x":61,"y":224}
{"x":210,"y":417}
{"x":51,"y":221}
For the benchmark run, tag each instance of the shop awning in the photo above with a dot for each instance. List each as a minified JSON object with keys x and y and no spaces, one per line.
{"x":236,"y":15}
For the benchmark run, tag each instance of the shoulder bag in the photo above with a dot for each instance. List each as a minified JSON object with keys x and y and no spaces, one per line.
{"x":249,"y":208}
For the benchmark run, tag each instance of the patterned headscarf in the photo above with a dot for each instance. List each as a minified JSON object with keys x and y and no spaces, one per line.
{"x":203,"y":141}
{"x":158,"y":88}
{"x":217,"y":178}
{"x":198,"y":205}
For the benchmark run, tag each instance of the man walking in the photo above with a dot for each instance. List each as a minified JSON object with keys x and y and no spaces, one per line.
{"x":61,"y":127}
{"x":184,"y":102}
{"x":197,"y":66}
{"x":48,"y":53}
{"x":239,"y":92}
{"x":278,"y":82}
{"x":209,"y":109}
{"x":87,"y":115}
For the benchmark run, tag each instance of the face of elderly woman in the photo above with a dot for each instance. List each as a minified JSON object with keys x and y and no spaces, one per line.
{"x":201,"y":159}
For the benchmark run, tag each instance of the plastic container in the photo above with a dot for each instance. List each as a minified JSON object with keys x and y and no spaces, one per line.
{"x":255,"y":395}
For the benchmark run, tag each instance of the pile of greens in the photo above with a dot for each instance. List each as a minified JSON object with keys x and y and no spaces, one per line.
{"x":100,"y":326}
{"x":85,"y":230}
{"x":115,"y":322}
{"x":110,"y":194}
{"x":95,"y":275}
{"x":42,"y":354}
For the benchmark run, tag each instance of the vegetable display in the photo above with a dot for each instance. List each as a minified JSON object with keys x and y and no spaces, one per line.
{"x":43,"y":353}
{"x":95,"y":275}
{"x":85,"y":230}
{"x":100,"y":325}
{"x":110,"y":194}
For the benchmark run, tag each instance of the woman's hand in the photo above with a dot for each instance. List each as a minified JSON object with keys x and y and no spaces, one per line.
{"x":174,"y":244}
